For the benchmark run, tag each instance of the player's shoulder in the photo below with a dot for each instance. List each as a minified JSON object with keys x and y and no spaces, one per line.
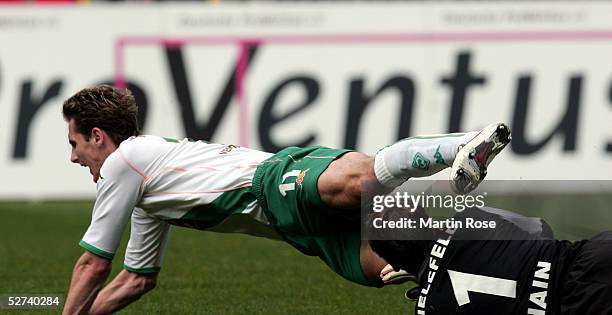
{"x":133,"y":154}
{"x":141,"y":147}
{"x":114,"y":167}
{"x":148,"y":142}
{"x":138,"y":142}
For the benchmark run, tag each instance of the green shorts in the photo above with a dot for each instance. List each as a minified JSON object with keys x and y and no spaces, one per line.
{"x":286,"y":188}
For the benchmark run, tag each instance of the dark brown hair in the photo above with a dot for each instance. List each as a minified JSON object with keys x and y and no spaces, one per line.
{"x":108,"y":108}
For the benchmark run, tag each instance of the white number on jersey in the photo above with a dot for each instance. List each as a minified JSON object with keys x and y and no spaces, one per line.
{"x":284,"y":188}
{"x":465,"y":282}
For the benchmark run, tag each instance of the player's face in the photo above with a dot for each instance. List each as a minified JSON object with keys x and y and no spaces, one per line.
{"x":86,"y":152}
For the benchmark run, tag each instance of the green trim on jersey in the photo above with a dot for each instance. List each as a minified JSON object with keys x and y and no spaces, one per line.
{"x":96,"y":251}
{"x":206,"y":216}
{"x":142,"y":270}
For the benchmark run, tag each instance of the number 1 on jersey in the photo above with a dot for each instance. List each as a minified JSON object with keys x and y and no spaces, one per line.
{"x":284,"y":188}
{"x":465,"y":282}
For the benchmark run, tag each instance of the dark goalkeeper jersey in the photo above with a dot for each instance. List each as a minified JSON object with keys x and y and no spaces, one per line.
{"x":516,"y":268}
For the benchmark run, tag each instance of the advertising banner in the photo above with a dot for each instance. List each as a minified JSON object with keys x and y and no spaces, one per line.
{"x":353,"y":75}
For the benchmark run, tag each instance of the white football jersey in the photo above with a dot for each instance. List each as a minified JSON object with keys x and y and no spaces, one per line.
{"x":156,"y":182}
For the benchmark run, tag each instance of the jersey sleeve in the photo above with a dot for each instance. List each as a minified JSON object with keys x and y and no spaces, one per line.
{"x":118,"y":193}
{"x":148,"y":238}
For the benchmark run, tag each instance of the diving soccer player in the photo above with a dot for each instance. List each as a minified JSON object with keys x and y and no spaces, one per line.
{"x":300,"y":195}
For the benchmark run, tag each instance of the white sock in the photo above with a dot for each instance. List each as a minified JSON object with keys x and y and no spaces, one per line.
{"x":418,"y":157}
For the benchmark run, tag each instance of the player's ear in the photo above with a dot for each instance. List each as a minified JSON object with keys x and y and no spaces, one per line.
{"x":97,"y":135}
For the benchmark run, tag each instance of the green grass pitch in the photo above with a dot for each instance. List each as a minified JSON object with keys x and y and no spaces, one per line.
{"x":202,"y":273}
{"x":211,"y":273}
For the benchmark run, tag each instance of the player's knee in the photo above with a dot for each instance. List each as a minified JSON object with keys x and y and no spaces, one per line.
{"x":359,"y":171}
{"x":340,"y":185}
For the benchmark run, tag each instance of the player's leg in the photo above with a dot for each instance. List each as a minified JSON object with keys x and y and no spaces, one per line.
{"x":340,"y":185}
{"x":287,"y":188}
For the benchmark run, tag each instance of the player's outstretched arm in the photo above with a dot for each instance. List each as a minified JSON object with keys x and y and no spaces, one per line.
{"x":126,"y":288}
{"x":88,"y":277}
